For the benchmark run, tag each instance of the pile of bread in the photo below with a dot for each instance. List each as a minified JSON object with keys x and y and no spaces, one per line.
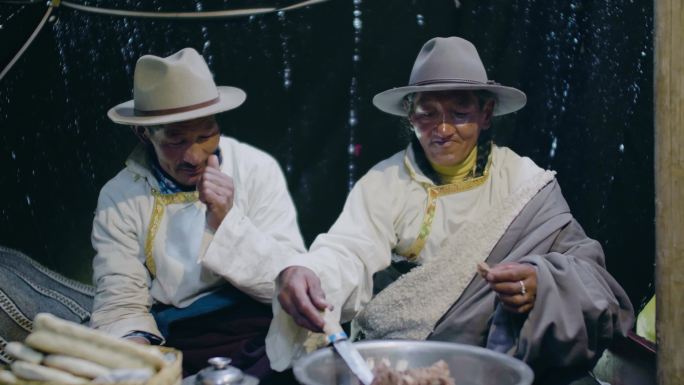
{"x":59,"y":351}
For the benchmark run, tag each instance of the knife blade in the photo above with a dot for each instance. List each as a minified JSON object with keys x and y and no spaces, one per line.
{"x":340,"y":341}
{"x":351,"y":357}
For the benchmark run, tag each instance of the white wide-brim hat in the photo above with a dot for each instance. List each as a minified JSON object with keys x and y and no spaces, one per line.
{"x":172,"y":89}
{"x":447,"y":64}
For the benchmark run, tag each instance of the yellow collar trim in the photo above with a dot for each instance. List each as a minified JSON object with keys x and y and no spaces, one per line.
{"x":434,"y":192}
{"x":451,"y":174}
{"x":160,"y":202}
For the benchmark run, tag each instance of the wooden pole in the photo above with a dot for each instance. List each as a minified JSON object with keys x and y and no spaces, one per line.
{"x":669,"y":186}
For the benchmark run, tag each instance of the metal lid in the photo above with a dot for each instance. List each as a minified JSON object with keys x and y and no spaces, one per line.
{"x":219,"y":373}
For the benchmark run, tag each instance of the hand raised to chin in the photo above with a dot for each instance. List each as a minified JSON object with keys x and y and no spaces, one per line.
{"x":216,"y":191}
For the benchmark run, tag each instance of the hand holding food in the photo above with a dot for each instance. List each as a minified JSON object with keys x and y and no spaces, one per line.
{"x":514,"y":283}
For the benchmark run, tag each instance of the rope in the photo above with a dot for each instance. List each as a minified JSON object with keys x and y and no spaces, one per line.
{"x":28,"y":42}
{"x":151,"y":15}
{"x":169,"y":15}
{"x":21,"y":1}
{"x":300,"y":5}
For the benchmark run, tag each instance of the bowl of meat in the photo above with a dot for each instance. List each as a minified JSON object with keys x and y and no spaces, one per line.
{"x":398,"y":362}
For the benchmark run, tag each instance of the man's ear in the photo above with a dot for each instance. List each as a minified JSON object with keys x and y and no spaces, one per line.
{"x":141,"y":133}
{"x":488,"y":110}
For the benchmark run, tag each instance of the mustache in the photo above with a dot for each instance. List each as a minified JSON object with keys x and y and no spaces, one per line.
{"x":188,"y":167}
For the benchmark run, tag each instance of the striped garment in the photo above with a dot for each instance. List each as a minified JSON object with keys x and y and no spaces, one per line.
{"x":28,"y":288}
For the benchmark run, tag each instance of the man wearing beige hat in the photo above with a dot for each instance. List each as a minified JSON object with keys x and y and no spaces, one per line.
{"x":190,"y":234}
{"x":484,"y":244}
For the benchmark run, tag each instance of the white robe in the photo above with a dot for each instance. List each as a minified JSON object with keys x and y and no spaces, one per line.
{"x":258,"y":234}
{"x":381,"y":220}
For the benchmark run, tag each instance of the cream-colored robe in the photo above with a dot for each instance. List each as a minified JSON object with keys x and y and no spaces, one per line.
{"x":132,"y":237}
{"x":395,"y":212}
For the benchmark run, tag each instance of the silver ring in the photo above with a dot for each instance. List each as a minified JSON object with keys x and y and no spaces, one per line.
{"x":523,"y":290}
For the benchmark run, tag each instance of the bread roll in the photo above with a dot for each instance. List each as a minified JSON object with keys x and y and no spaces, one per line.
{"x":54,"y":343}
{"x":77,"y":366}
{"x":7,"y":377}
{"x":23,"y":352}
{"x":29,"y":371}
{"x":149,"y":355}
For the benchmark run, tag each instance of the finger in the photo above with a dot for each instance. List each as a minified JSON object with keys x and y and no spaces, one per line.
{"x":308,"y":312}
{"x":210,"y":198}
{"x":213,"y":162}
{"x":220,"y":186}
{"x":526,"y":308}
{"x":217,"y":178}
{"x":507,"y":288}
{"x":318,"y":297}
{"x":483,"y":269}
{"x":513,"y":300}
{"x":519,"y":309}
{"x":214,"y":171}
{"x":304,"y":322}
{"x":503,"y":273}
{"x":298,"y":317}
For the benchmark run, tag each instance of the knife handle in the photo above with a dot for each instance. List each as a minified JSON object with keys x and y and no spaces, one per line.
{"x":332,"y":338}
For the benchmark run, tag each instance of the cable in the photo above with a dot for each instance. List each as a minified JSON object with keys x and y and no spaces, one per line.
{"x":28,"y":42}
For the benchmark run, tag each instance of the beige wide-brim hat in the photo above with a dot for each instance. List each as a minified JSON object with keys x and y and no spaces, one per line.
{"x":172,"y":89}
{"x":445,"y":64}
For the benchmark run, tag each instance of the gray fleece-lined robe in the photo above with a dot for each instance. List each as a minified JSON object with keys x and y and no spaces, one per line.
{"x":579,"y":306}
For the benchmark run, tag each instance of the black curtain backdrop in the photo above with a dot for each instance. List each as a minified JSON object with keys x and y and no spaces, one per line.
{"x":310,"y":75}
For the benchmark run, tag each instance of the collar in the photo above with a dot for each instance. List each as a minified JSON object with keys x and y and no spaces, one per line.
{"x":416,"y":173}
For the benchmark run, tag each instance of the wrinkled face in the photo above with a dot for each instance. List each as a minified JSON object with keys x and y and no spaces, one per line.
{"x":183,"y":148}
{"x":448,"y":123}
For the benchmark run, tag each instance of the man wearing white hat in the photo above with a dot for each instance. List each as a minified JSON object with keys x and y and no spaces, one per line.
{"x":190,"y":233}
{"x":434,"y":213}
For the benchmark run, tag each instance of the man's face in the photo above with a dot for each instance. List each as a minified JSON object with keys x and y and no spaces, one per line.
{"x":183,"y":148}
{"x":448,"y":123}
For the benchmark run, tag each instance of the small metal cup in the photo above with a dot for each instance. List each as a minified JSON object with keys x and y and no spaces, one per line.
{"x":221,"y":373}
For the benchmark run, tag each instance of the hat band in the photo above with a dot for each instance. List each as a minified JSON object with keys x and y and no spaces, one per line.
{"x":454,"y":81}
{"x":176,"y":110}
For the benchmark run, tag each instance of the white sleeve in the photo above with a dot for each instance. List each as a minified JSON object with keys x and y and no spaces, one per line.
{"x":122,"y":300}
{"x":253,"y":243}
{"x":345,"y":259}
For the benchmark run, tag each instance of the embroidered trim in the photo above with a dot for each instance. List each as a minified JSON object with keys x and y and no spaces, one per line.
{"x":435,"y":286}
{"x":412,"y":253}
{"x":70,"y":283}
{"x":160,"y":202}
{"x":11,"y":309}
{"x":434,"y":192}
{"x":4,"y":357}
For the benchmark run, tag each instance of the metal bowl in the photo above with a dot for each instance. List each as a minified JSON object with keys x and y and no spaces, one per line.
{"x":469,"y":365}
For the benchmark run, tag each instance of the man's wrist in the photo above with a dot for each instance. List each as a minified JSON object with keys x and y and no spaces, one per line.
{"x":151,"y":338}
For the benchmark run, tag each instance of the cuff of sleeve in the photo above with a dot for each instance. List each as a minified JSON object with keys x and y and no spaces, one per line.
{"x":151,"y":338}
{"x":124,"y":327}
{"x":227,"y":226}
{"x":231,"y":219}
{"x":303,"y":260}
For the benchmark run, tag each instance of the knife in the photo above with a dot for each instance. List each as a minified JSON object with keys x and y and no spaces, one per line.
{"x":338,"y":338}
